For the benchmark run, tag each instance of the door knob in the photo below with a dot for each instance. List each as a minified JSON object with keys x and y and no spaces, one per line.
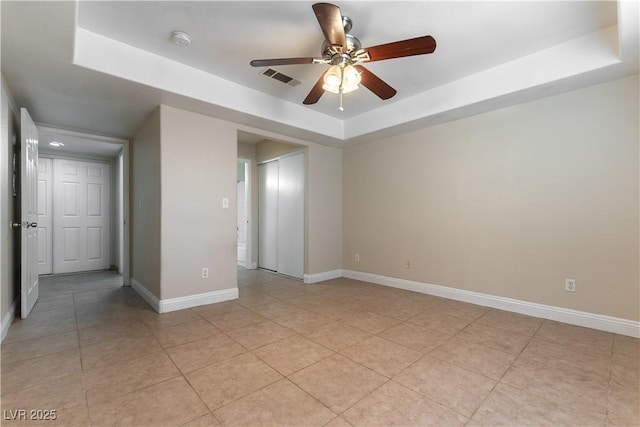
{"x":32,"y":224}
{"x":16,"y":225}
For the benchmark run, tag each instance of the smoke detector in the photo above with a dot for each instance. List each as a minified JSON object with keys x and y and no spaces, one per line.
{"x":180,"y":38}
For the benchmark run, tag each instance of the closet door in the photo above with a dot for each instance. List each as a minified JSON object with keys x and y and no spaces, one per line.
{"x":81,"y":216}
{"x":268,"y":214}
{"x":291,"y":216}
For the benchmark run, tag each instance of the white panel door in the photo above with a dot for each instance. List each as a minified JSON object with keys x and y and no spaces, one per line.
{"x":28,"y":213}
{"x":291,"y":216}
{"x":81,"y":216}
{"x":268,"y":214}
{"x":45,"y":217}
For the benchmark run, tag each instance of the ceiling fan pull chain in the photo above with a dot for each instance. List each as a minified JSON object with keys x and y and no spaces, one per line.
{"x":341,"y":108}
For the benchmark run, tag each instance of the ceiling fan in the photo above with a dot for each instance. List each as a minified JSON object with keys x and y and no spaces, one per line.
{"x":344,"y":53}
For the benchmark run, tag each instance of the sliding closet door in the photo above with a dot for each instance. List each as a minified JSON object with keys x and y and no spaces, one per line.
{"x":291,"y":216}
{"x":268,"y":213}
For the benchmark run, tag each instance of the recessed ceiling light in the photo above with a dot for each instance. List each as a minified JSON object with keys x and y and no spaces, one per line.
{"x":180,"y":38}
{"x":56,"y":144}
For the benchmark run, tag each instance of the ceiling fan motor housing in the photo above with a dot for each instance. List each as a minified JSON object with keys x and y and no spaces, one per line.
{"x":353,"y":45}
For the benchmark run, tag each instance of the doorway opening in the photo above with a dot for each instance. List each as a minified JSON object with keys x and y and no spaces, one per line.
{"x":276,"y":198}
{"x":82,"y":203}
{"x":244,"y":212}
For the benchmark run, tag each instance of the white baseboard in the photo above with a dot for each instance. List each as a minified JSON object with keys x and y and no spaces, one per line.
{"x":150,"y":298}
{"x":7,"y":320}
{"x":321,"y":277}
{"x":181,"y":303}
{"x":248,"y":265}
{"x":574,"y":317}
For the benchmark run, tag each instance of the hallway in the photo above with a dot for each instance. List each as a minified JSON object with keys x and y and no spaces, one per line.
{"x":341,"y":352}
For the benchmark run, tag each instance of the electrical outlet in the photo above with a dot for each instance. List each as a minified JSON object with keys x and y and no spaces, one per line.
{"x":570,"y":285}
{"x":357,"y":257}
{"x":205,"y":273}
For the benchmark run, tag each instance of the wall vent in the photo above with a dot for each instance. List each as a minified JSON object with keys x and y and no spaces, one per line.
{"x":277,"y":75}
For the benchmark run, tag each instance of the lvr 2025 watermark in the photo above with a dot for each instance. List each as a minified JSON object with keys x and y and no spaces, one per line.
{"x":29,"y":414}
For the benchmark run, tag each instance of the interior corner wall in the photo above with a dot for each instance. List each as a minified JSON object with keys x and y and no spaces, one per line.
{"x":182,"y":165}
{"x":144,"y":199}
{"x":199,"y":168}
{"x":8,"y":273}
{"x":508,"y":203}
{"x":246,"y":150}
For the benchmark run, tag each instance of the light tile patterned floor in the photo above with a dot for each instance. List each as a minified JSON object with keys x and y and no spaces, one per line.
{"x":338,"y":353}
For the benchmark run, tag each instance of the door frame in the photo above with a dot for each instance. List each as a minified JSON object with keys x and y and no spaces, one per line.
{"x":248,"y":164}
{"x":122,"y":181}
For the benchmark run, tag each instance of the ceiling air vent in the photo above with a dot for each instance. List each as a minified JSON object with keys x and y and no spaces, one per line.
{"x":276,"y":75}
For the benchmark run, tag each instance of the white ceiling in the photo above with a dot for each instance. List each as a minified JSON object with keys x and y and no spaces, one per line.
{"x":103,"y":66}
{"x":77,"y":143}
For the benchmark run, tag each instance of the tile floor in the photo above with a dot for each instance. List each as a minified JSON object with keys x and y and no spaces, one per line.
{"x":338,"y":353}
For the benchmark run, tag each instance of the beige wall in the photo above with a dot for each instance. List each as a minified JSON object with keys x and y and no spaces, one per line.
{"x":246,"y":151}
{"x":8,"y":133}
{"x":199,"y":169}
{"x":145,"y":172}
{"x":268,"y":149}
{"x":508,"y":203}
{"x":324,"y":223}
{"x":196,"y":159}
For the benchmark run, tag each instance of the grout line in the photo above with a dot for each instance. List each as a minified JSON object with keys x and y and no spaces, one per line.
{"x":184,"y":376}
{"x":82,"y":368}
{"x":505,"y":372}
{"x":613,"y":346}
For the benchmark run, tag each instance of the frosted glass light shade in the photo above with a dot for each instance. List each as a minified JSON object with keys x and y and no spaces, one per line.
{"x":350,"y":79}
{"x":333,"y":79}
{"x":341,"y":79}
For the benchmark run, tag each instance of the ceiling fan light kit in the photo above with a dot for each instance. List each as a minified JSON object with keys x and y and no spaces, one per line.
{"x":343,"y":52}
{"x":341,"y":78}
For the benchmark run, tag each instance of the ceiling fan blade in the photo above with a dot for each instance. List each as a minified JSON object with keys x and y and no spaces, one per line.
{"x":374,"y":83}
{"x":316,"y":92}
{"x":330,"y":20}
{"x":283,"y":61}
{"x":410,"y":47}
